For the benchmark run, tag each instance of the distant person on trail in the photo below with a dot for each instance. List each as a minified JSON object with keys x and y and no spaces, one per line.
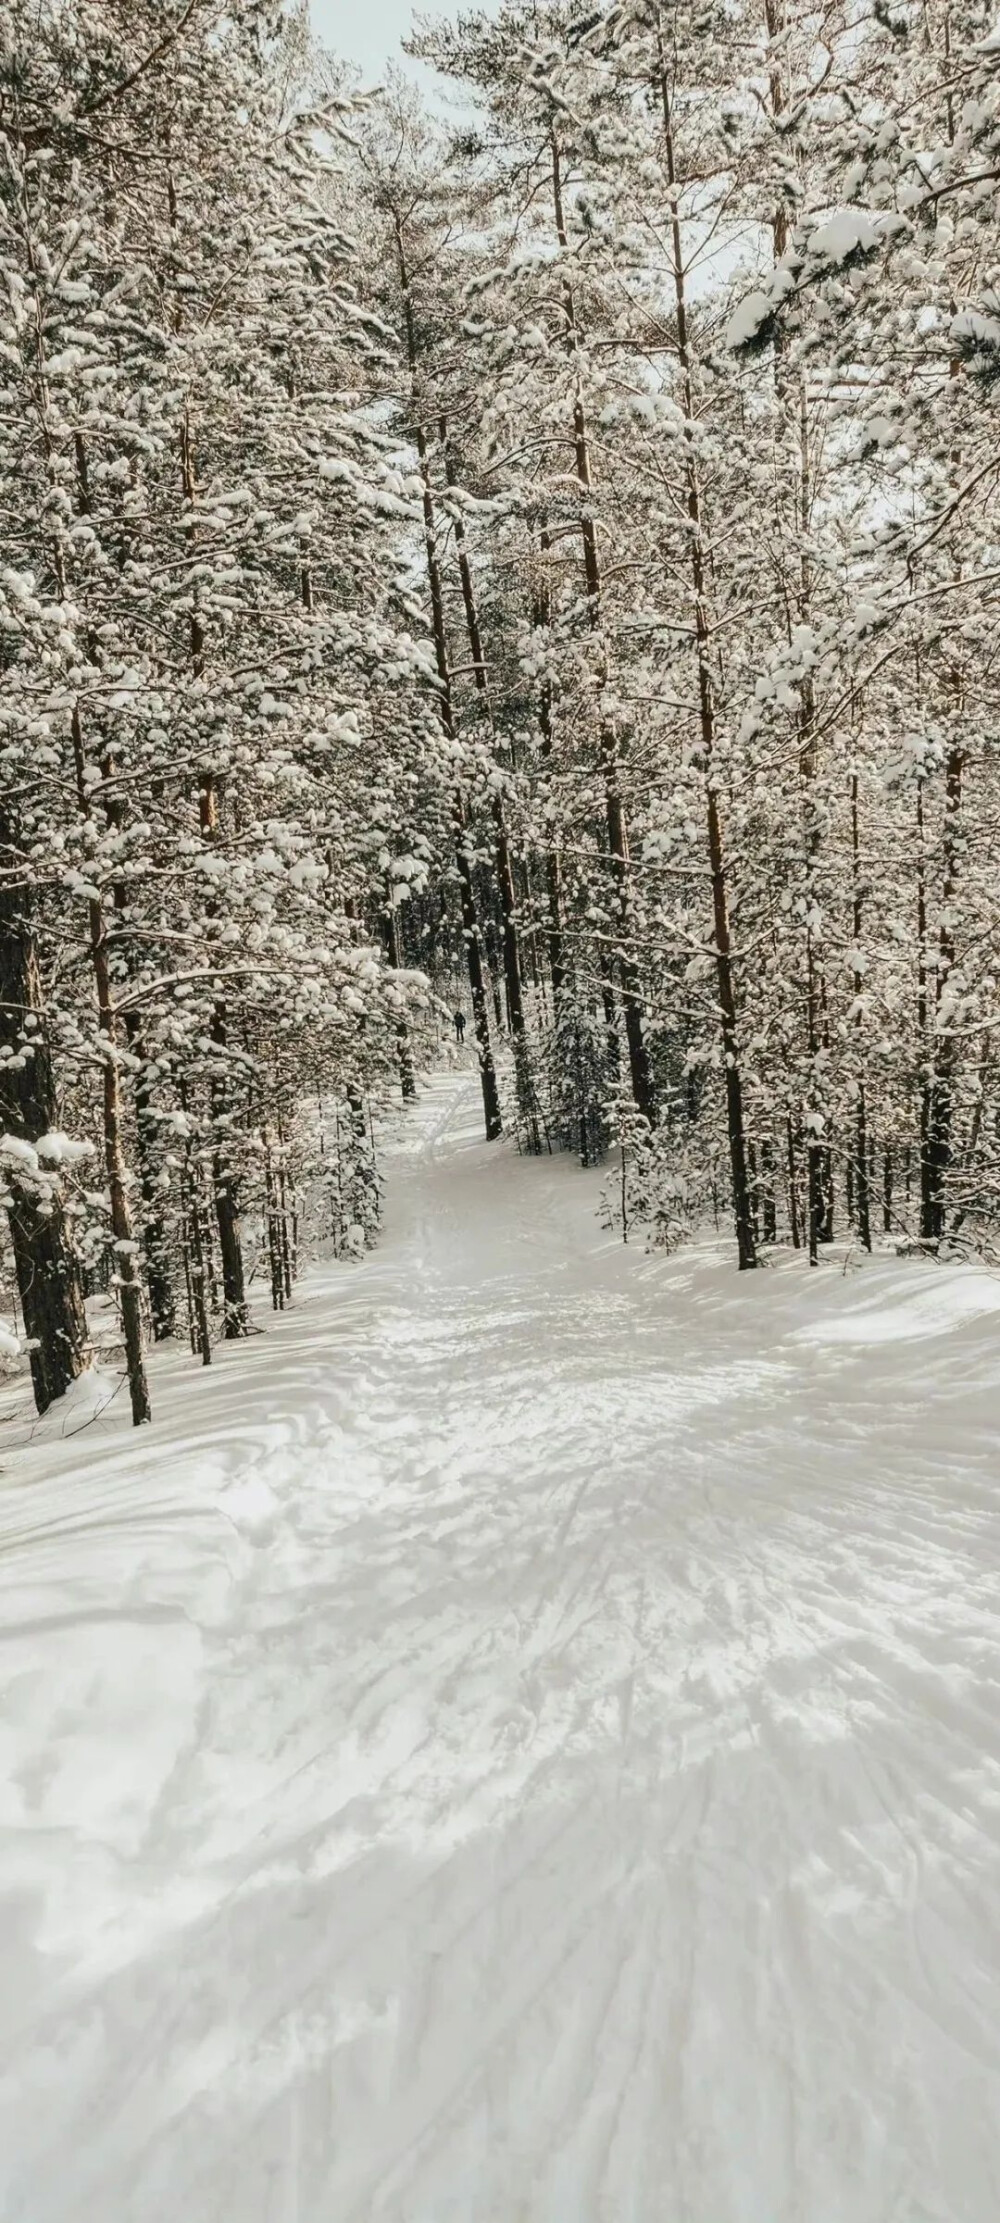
{"x":460,"y":1026}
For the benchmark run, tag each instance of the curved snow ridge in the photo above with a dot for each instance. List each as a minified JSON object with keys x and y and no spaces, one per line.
{"x":953,"y":1296}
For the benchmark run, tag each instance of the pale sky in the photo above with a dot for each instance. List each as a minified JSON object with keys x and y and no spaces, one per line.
{"x":369,"y":31}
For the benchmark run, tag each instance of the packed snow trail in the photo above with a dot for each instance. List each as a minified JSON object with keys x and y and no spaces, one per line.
{"x":519,"y":1744}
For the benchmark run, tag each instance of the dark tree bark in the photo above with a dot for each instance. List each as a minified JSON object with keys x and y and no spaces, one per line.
{"x":123,"y":1235}
{"x":404,"y":1051}
{"x":610,"y":1010}
{"x":273,"y":1236}
{"x":793,"y":1189}
{"x":159,"y":1281}
{"x":640,"y":1071}
{"x":225,"y":1193}
{"x":504,"y":868}
{"x":940,"y":1083}
{"x":463,"y":850}
{"x":791,"y":392}
{"x":49,"y":1282}
{"x":861,"y":1161}
{"x":553,"y":869}
{"x":225,"y":1185}
{"x":769,"y":1218}
{"x":194,"y":1254}
{"x":926,"y":1205}
{"x":725,"y":977}
{"x":283,"y":1212}
{"x":492,"y":942}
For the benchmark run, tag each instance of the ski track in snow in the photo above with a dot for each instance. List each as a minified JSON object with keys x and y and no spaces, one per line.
{"x":519,"y":1744}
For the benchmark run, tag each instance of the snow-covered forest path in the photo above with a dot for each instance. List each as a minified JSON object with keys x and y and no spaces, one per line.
{"x":521,"y":1745}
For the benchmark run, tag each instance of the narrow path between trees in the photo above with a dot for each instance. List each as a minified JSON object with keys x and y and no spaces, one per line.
{"x":518,"y":1745}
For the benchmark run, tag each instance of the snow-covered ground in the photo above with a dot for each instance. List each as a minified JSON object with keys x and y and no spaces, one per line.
{"x":518,"y":1744}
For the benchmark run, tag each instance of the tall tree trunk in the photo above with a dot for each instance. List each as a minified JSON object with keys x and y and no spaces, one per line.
{"x":273,"y":1239}
{"x":477,"y":978}
{"x":640,"y":1070}
{"x":225,"y":1183}
{"x":528,"y":908}
{"x":162,"y":1301}
{"x":49,"y":1281}
{"x":542,"y":616}
{"x":527,"y":1100}
{"x":819,"y":1169}
{"x":861,"y":1160}
{"x":225,"y":1187}
{"x":793,"y":1188}
{"x":735,"y":1123}
{"x":463,"y":847}
{"x":495,"y":967}
{"x":926,"y":1056}
{"x":937,"y":1147}
{"x":194,"y":1251}
{"x":404,"y":1050}
{"x":610,"y":1010}
{"x":125,"y":1246}
{"x":791,"y":392}
{"x":768,"y":1209}
{"x":159,"y":1281}
{"x":225,"y":1195}
{"x":283,"y":1215}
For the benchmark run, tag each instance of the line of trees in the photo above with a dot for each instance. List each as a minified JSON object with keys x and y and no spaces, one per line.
{"x":554,"y":553}
{"x":698,"y":314}
{"x":217,"y":745}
